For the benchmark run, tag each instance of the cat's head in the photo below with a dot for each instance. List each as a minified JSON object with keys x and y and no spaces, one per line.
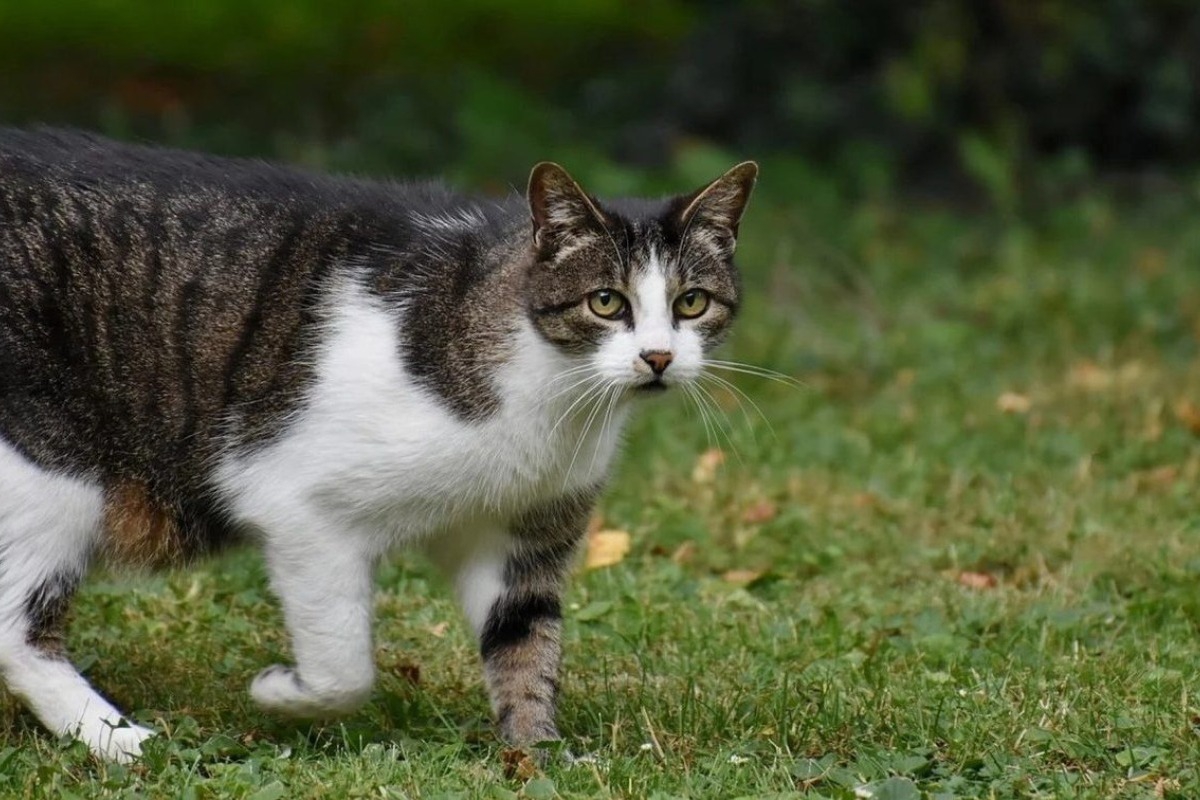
{"x":639,"y":291}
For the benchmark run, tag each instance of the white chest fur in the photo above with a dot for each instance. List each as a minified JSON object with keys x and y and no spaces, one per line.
{"x":378,"y":452}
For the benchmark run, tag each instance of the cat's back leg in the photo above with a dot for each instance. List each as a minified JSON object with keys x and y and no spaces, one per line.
{"x":49,"y":527}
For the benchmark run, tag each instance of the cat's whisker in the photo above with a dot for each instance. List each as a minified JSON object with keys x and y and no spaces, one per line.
{"x":740,"y":395}
{"x":745,"y":415}
{"x":566,"y":375}
{"x":719,"y":416}
{"x":756,"y":371}
{"x":565,"y":390}
{"x":691,"y":395}
{"x":608,"y":414}
{"x":587,"y":427}
{"x":582,"y":399}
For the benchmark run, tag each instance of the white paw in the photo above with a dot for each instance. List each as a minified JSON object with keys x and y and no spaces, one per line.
{"x":120,"y":744}
{"x":281,"y":690}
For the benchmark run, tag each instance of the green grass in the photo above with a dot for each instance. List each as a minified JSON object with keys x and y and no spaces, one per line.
{"x":858,"y":660}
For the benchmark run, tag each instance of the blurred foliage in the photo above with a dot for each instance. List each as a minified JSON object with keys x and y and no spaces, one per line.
{"x":919,"y":95}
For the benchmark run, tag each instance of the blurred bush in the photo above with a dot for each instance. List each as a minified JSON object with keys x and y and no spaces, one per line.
{"x":926,"y":92}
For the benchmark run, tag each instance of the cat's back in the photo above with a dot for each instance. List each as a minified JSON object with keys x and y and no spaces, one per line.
{"x":148,"y":296}
{"x":85,"y":168}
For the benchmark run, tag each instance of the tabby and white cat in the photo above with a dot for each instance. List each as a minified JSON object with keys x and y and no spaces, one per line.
{"x":195,"y":350}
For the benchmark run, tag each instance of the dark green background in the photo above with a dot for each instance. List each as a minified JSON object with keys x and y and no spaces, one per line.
{"x":991,"y":99}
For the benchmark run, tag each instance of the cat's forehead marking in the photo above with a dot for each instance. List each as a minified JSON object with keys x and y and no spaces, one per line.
{"x":650,"y":290}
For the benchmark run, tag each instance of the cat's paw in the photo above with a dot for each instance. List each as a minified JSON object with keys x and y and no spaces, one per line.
{"x":280,"y":690}
{"x":122,"y":745}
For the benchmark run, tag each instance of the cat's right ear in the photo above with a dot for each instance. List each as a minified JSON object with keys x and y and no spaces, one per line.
{"x":559,"y":208}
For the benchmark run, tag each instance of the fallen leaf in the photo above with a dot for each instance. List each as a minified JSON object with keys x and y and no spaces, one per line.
{"x":1091,"y":377}
{"x":977,"y":580}
{"x":707,"y":464}
{"x":439,"y":630}
{"x":742,"y":577}
{"x":1162,"y":477}
{"x":1013,"y":403}
{"x":605,"y":548}
{"x":763,"y":511}
{"x":685,"y":553}
{"x":517,"y":764}
{"x":1188,"y":413}
{"x":595,"y":523}
{"x":865,"y":500}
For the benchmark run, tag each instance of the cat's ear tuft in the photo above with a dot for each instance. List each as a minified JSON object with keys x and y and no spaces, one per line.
{"x":558,"y":206}
{"x":721,"y":203}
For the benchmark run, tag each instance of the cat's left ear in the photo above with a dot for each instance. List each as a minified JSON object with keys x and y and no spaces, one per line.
{"x":559,"y":207}
{"x":721,"y":203}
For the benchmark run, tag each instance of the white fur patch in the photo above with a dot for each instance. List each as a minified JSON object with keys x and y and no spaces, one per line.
{"x":49,"y":525}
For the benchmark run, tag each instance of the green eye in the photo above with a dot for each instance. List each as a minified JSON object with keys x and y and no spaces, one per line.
{"x":691,"y":303}
{"x":606,"y":303}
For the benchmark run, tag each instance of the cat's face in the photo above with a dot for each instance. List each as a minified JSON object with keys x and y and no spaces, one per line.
{"x":636,"y":291}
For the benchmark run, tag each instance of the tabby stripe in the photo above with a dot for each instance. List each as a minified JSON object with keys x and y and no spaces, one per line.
{"x":511,"y":621}
{"x":185,"y":373}
{"x":252,"y":325}
{"x":549,"y":558}
{"x":557,"y":308}
{"x":46,"y":607}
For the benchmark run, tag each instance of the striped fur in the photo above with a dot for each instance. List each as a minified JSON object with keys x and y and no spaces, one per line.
{"x":197,"y":350}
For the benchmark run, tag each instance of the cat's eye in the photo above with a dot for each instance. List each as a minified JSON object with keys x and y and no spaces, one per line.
{"x":606,"y":303}
{"x":691,"y":303}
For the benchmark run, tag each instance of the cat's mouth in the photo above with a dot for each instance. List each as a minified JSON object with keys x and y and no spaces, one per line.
{"x":652,"y":385}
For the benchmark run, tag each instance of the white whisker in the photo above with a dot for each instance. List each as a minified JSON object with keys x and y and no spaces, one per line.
{"x":740,"y":395}
{"x":758,"y":372}
{"x":587,"y":427}
{"x":691,"y":395}
{"x":719,"y":415}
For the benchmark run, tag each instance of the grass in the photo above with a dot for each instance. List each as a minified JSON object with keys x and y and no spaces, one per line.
{"x":961,"y":561}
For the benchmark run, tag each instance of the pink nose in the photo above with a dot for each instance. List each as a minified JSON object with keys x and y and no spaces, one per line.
{"x":658,"y":360}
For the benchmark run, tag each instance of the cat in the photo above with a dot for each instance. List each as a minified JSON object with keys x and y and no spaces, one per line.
{"x":197,"y":350}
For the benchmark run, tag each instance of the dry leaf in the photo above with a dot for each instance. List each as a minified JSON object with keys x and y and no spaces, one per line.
{"x":760,"y":512}
{"x":517,"y":764}
{"x":684,"y":553}
{"x":742,"y":577}
{"x":865,"y":500}
{"x":439,"y":630}
{"x":1162,"y":477}
{"x":707,"y":464}
{"x":595,"y":523}
{"x":605,"y":548}
{"x":1091,"y":377}
{"x":1013,"y":403}
{"x":977,"y":580}
{"x":1188,"y":413}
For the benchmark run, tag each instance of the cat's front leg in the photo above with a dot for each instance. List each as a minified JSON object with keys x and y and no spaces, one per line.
{"x":511,"y":588}
{"x":323,"y":576}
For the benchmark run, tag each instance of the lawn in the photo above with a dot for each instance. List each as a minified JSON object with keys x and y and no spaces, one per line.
{"x":959,"y":559}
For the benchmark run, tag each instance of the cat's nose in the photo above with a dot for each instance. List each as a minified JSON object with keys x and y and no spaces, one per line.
{"x":658,"y":360}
